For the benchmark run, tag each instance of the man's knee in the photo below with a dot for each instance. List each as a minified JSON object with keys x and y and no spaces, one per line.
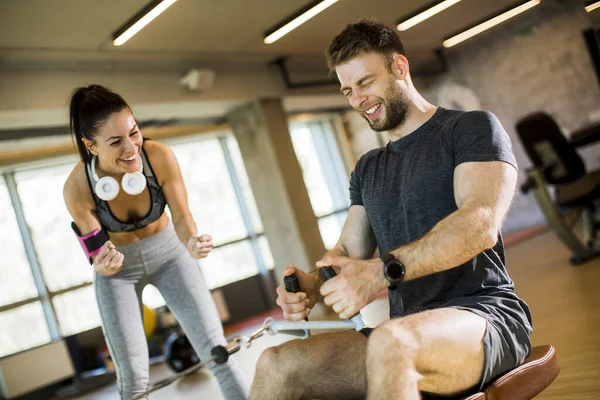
{"x":393,"y":336}
{"x":275,"y":362}
{"x":276,"y":374}
{"x":268,"y":360}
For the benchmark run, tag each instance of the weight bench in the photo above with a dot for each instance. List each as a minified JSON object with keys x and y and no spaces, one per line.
{"x":522,"y":383}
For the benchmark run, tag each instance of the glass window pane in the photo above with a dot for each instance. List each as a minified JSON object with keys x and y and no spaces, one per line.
{"x":228,"y":264}
{"x":240,"y":169}
{"x":77,"y":311}
{"x":23,"y":328}
{"x":16,"y":280}
{"x":152,"y":298}
{"x":59,"y":253}
{"x":211,"y":197}
{"x":331,"y":228}
{"x":304,"y":146}
{"x":332,"y":165}
{"x":265,"y":251}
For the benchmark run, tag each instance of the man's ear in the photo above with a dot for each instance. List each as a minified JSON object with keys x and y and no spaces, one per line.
{"x":400,"y":66}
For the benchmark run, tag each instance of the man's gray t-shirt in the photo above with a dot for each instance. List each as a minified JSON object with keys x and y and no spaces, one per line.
{"x":407,"y":187}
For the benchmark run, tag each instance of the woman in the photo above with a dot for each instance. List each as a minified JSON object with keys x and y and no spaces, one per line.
{"x":116,"y":196}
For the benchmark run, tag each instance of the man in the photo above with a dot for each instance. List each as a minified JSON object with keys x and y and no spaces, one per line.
{"x":433,"y":201}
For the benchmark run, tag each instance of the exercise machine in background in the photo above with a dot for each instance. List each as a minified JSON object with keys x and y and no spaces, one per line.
{"x":558,"y":166}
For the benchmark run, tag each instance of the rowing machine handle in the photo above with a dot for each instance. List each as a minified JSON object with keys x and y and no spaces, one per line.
{"x":293,"y":286}
{"x":327,"y":273}
{"x":291,"y":283}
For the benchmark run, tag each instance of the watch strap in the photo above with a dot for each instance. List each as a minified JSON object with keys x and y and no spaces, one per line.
{"x":387,"y":257}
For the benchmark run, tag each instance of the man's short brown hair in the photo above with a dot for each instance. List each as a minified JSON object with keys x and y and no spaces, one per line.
{"x":364,"y":36}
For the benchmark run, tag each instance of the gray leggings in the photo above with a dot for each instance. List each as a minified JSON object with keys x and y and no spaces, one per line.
{"x":163,"y":261}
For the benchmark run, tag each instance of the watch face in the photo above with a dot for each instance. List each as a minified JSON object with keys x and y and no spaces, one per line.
{"x":394,"y":271}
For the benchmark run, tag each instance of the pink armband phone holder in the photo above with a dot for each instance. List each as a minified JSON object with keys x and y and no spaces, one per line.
{"x":92,"y":242}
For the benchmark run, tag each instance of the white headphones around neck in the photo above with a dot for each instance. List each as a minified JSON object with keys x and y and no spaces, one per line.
{"x":107,"y":188}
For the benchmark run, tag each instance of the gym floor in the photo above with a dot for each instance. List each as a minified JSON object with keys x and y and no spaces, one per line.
{"x":565,"y":303}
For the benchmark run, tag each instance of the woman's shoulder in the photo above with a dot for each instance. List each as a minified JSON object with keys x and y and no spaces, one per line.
{"x":156,"y":149}
{"x":160,"y":156}
{"x":162,"y":161}
{"x":76,"y":189}
{"x":76,"y":176}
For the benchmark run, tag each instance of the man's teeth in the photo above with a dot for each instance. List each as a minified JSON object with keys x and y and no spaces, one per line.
{"x":372,"y":109}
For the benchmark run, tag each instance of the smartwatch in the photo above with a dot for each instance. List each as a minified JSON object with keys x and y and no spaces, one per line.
{"x":393,"y":270}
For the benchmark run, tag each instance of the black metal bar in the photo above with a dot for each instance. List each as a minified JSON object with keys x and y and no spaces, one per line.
{"x":285,"y":75}
{"x":280,"y":63}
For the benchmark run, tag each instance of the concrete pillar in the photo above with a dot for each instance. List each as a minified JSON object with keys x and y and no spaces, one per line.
{"x":262,"y":133}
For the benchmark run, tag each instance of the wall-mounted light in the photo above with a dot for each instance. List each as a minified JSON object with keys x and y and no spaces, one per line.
{"x":592,"y":5}
{"x":498,"y":19}
{"x":140,"y":20}
{"x":300,"y":17}
{"x":425,"y":13}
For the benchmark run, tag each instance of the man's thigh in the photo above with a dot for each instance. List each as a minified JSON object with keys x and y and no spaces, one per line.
{"x":450,"y":354}
{"x":328,"y":365}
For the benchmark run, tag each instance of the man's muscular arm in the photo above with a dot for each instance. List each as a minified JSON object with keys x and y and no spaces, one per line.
{"x":483,"y":192}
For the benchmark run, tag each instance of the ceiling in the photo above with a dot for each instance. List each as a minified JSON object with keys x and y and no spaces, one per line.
{"x":227,"y":36}
{"x":71,"y":34}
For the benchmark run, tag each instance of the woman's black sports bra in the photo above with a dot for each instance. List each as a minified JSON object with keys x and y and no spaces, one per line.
{"x":157,"y":203}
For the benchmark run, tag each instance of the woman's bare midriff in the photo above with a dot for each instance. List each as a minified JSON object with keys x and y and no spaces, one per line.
{"x":119,"y":238}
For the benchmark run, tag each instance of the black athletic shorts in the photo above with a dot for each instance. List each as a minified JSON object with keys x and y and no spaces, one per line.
{"x":366,"y":331}
{"x":506,"y":341}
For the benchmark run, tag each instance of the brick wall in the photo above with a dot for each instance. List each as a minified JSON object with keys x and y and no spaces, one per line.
{"x":538,"y":61}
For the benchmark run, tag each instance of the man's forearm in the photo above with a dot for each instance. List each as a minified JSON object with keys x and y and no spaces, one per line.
{"x":452,"y":242}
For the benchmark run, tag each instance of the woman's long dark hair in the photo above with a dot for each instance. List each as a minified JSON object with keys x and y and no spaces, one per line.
{"x":90,"y":107}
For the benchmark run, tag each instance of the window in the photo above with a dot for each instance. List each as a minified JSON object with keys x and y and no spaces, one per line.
{"x":22,"y":321}
{"x":211,"y":195}
{"x":76,"y":310}
{"x":16,"y":280}
{"x":22,"y":328}
{"x":59,"y":254}
{"x":223,"y":206}
{"x":324,"y":176}
{"x":244,"y":183}
{"x":63,"y":264}
{"x":45,"y":280}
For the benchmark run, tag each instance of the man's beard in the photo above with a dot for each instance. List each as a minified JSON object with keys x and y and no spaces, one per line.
{"x":396,"y":110}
